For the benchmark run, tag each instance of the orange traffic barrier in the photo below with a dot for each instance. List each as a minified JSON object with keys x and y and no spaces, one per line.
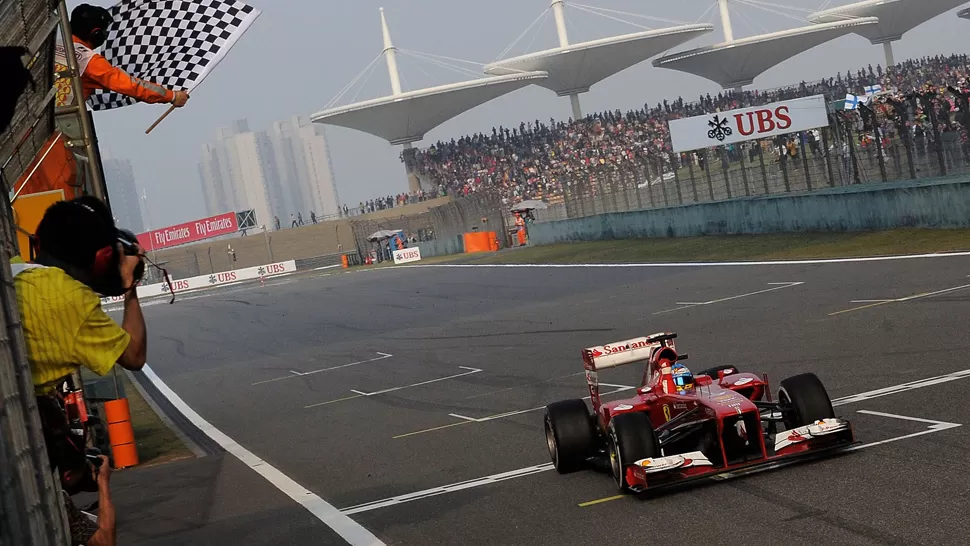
{"x":479,"y":241}
{"x":343,"y":260}
{"x":120,"y":433}
{"x":493,"y":241}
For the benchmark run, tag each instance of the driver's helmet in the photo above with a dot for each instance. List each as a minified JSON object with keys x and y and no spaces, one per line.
{"x":683,"y":379}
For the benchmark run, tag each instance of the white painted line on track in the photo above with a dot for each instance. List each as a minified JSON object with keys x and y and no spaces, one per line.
{"x":366,"y":507}
{"x":877,"y":303}
{"x":907,"y":418}
{"x":466,"y":420}
{"x":326,"y":267}
{"x":301,"y":374}
{"x":348,"y":529}
{"x":527,"y":471}
{"x":393,"y":389}
{"x":777,"y":286}
{"x":886,"y":391}
{"x":701,"y":264}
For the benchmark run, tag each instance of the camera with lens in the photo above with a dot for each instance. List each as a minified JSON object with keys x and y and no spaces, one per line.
{"x":129,"y":244}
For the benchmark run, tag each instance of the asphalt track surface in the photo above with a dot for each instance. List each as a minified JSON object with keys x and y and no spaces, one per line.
{"x":380,"y":391}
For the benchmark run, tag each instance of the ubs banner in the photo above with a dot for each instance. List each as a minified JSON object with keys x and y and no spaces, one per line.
{"x":777,"y":118}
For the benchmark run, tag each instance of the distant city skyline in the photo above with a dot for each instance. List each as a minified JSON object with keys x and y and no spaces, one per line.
{"x":119,"y":175}
{"x":282,"y":173}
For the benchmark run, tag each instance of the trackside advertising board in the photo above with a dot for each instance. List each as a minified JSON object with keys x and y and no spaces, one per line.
{"x":719,"y":128}
{"x":208,"y":281}
{"x":189,"y":232}
{"x":407,"y":255}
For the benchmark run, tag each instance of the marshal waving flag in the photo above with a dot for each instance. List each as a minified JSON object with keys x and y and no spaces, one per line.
{"x":175,"y":43}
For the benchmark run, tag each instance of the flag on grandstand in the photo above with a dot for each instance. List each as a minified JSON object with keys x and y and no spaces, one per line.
{"x":873,"y":89}
{"x":174,"y":44}
{"x":852,"y":102}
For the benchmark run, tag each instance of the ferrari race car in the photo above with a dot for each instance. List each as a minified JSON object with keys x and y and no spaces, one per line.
{"x":683,"y":427}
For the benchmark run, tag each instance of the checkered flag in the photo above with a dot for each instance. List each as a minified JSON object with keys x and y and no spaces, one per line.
{"x":174,"y":43}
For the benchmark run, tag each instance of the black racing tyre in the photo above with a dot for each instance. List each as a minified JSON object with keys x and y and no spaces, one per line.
{"x":569,"y":435}
{"x":804,"y":400}
{"x":630,"y":438}
{"x":712,"y":372}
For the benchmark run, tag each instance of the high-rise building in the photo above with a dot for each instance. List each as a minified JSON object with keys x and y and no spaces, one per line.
{"x":123,"y":195}
{"x":281,"y":173}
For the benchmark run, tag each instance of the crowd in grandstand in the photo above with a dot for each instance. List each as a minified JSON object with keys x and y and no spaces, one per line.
{"x":533,"y":160}
{"x":390,"y":202}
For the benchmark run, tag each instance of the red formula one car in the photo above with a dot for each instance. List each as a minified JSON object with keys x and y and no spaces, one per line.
{"x":683,"y":427}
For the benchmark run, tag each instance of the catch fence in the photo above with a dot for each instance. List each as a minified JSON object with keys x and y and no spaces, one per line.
{"x":883,"y":144}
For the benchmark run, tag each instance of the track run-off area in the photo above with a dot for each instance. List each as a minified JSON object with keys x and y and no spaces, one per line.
{"x":404,"y":405}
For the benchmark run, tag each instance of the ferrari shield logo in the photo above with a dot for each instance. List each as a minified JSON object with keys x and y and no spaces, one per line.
{"x":666,"y":412}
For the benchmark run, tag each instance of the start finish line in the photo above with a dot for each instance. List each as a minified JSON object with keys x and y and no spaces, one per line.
{"x":211,"y":280}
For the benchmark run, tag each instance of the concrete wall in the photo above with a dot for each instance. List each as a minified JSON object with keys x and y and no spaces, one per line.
{"x":931,"y":203}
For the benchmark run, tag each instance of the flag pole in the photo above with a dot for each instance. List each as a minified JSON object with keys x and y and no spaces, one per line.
{"x":159,"y":120}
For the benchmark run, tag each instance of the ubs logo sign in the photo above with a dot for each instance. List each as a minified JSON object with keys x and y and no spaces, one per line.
{"x":719,"y":128}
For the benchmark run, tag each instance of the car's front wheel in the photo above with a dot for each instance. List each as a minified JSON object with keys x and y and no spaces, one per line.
{"x":804,"y":400}
{"x":630,"y":438}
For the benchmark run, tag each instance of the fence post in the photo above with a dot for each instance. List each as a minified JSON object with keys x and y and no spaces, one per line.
{"x":693,"y":180}
{"x":808,"y":175}
{"x":726,"y":168}
{"x":707,"y":170}
{"x":744,"y":171}
{"x":827,"y":156}
{"x":764,"y":168}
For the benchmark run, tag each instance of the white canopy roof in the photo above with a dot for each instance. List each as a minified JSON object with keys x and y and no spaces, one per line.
{"x":405,"y":118}
{"x":575,"y":68}
{"x":738,"y":63}
{"x":896,"y":17}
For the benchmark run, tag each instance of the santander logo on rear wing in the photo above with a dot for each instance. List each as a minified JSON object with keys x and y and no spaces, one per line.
{"x":621,"y":352}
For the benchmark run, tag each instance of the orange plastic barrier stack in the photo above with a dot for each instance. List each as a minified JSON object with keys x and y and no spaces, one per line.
{"x":120,"y":433}
{"x":480,"y":241}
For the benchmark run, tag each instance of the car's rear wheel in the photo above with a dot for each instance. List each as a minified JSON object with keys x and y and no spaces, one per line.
{"x":569,"y":435}
{"x":631,"y":438}
{"x":712,"y":372}
{"x":804,"y":400}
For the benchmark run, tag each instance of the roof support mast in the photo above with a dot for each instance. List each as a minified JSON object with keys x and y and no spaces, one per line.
{"x":728,"y":29}
{"x":390,"y":55}
{"x":557,"y":13}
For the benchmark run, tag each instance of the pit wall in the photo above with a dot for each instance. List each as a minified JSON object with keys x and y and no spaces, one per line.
{"x":930,"y":203}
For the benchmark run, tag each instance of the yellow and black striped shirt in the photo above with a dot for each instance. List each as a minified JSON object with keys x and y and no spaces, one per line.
{"x":64,"y":326}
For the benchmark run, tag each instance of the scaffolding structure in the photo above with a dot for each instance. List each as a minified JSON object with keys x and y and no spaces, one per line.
{"x":31,"y":506}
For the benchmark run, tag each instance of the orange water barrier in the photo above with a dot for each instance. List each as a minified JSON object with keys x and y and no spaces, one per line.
{"x":120,"y":433}
{"x":480,"y":241}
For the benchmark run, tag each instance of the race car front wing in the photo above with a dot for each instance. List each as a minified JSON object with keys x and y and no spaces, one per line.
{"x":818,"y":439}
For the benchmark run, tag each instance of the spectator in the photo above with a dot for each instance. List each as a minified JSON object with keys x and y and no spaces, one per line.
{"x":536,"y":160}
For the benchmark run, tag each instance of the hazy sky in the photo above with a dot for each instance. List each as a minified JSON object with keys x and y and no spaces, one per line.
{"x":299,"y":55}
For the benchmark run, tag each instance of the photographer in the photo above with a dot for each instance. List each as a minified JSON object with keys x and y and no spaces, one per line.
{"x":79,"y":255}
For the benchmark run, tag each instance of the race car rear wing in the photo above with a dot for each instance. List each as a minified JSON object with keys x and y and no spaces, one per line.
{"x":621,"y":353}
{"x":612,"y":355}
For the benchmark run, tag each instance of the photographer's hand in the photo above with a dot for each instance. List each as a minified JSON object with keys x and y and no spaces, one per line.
{"x":105,"y":535}
{"x":133,"y":322}
{"x":128,"y":265}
